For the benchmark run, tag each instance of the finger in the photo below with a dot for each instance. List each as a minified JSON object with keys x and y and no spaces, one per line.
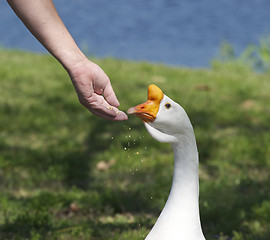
{"x":110,"y":96}
{"x":121,"y":116}
{"x":98,"y":106}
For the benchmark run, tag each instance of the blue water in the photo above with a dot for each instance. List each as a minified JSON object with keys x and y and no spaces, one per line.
{"x":175,"y":32}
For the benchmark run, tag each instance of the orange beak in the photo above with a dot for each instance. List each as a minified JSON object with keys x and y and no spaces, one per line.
{"x":148,"y":111}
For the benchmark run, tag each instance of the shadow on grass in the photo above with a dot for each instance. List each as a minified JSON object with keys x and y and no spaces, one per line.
{"x":224,"y":207}
{"x":37,"y":212}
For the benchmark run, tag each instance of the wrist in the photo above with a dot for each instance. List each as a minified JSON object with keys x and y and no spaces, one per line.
{"x":69,"y":58}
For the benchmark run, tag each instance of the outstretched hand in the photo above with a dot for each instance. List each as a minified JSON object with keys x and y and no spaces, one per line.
{"x":91,"y":83}
{"x":95,"y":91}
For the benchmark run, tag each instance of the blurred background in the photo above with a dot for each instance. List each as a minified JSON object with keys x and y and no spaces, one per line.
{"x":187,"y":33}
{"x":66,"y":174}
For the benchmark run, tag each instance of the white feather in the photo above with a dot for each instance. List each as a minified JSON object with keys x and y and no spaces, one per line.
{"x":179,"y":219}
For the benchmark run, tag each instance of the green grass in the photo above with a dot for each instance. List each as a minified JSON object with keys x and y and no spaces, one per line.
{"x":65,"y":174}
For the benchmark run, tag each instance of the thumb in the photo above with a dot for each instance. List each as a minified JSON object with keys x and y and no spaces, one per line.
{"x":110,"y":96}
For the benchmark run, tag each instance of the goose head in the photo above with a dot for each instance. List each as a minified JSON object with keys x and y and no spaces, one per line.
{"x":164,"y":119}
{"x":168,"y":122}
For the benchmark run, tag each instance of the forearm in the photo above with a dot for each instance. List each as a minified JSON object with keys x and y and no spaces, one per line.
{"x":42,"y":19}
{"x":91,"y":83}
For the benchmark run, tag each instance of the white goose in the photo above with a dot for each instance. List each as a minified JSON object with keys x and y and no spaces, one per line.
{"x":167,"y":121}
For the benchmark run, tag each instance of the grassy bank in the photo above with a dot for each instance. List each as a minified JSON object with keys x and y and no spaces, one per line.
{"x":65,"y":174}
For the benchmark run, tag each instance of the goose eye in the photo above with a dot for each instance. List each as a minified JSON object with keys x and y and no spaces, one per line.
{"x":168,"y":106}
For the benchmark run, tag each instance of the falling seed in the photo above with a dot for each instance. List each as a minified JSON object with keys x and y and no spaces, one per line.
{"x":137,"y":153}
{"x":151,"y":198}
{"x":112,"y":138}
{"x":125,"y":148}
{"x":129,"y":128}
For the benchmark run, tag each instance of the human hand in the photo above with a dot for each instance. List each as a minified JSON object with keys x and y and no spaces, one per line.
{"x":91,"y":83}
{"x":95,"y":91}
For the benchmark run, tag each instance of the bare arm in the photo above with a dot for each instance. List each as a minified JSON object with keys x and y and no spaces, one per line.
{"x":91,"y":83}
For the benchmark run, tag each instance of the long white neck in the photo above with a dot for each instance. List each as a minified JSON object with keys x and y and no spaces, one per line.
{"x":180,"y":217}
